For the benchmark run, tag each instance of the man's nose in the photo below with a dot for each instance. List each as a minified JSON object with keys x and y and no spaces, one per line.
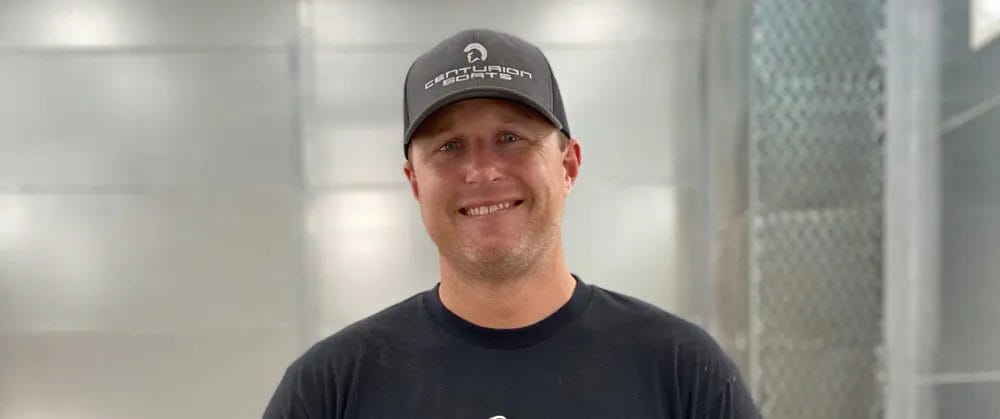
{"x":483,"y":166}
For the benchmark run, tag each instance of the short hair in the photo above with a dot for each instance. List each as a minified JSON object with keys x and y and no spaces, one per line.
{"x":563,"y":140}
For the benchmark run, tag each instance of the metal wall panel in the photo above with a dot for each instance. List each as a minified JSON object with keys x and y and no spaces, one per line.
{"x":70,"y":24}
{"x":99,"y":375}
{"x":8,"y":104}
{"x":150,"y":206}
{"x":968,"y":76}
{"x":149,"y":120}
{"x":638,"y":123}
{"x":967,"y":371}
{"x":968,"y":401}
{"x":957,"y":315}
{"x":157,"y":263}
{"x":356,"y":134}
{"x":970,"y":330}
{"x":364,"y":24}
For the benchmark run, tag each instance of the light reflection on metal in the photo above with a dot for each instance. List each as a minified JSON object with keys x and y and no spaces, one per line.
{"x":984,"y":22}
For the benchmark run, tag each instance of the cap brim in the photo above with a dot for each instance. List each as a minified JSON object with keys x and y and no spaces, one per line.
{"x":494,"y":92}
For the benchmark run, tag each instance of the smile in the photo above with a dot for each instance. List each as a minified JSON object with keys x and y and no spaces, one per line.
{"x":484,"y":210}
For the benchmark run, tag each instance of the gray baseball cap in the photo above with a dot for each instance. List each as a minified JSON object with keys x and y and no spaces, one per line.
{"x":480,"y":63}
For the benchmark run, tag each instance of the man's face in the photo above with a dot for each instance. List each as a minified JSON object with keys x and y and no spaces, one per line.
{"x":491,"y":180}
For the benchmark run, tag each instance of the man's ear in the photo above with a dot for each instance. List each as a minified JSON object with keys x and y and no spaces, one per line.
{"x":571,"y":162}
{"x":411,"y":177}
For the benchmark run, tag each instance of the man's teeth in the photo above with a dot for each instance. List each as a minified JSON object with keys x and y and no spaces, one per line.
{"x":486,"y":210}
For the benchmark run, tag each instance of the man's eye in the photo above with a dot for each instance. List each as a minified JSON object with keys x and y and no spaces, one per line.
{"x":449,"y":146}
{"x":509,"y":137}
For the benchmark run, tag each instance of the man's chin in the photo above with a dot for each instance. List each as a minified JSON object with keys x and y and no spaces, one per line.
{"x":494,"y":261}
{"x":490,"y":256}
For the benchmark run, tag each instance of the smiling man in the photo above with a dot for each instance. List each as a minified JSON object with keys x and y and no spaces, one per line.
{"x":508,"y":332}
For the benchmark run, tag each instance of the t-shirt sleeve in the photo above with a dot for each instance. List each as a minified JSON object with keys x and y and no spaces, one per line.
{"x":713,"y":386}
{"x":305,"y":391}
{"x":733,"y":401}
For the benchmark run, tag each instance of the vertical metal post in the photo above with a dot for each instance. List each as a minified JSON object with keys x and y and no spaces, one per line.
{"x":302,"y":74}
{"x":912,"y":206}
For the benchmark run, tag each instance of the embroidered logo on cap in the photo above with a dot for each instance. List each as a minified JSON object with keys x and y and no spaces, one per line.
{"x":471,"y":51}
{"x":476,"y":52}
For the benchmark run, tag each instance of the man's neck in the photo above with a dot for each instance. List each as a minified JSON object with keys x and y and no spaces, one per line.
{"x":512,"y":302}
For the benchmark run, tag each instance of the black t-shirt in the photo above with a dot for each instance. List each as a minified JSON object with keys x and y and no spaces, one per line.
{"x":602,"y":355}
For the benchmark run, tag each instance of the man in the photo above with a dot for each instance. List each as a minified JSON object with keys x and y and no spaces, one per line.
{"x":508,"y":332}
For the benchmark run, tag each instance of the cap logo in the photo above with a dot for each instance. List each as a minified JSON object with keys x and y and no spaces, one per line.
{"x":475,"y":52}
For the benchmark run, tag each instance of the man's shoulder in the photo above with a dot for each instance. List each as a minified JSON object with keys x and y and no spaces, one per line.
{"x":636,"y":319}
{"x":683,"y":349}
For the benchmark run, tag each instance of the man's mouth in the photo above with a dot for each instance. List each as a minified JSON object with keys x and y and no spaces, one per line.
{"x":487,"y":209}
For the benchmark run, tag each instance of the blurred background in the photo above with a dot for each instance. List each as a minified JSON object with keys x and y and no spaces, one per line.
{"x":194,"y":192}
